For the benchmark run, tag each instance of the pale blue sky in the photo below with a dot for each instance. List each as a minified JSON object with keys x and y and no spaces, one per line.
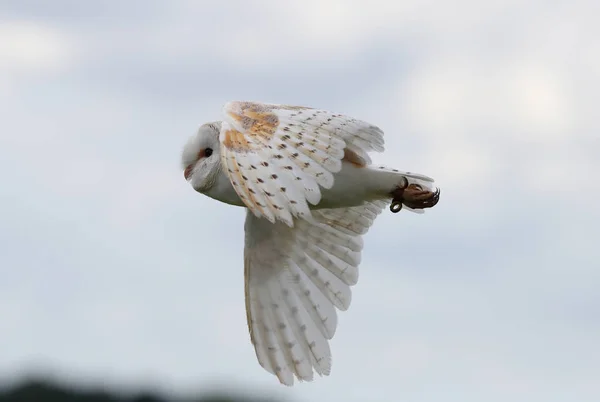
{"x":113,"y":269}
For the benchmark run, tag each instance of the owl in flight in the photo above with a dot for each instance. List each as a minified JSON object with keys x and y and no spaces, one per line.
{"x":310,"y":191}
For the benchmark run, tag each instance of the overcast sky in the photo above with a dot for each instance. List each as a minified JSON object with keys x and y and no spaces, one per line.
{"x":113,"y":269}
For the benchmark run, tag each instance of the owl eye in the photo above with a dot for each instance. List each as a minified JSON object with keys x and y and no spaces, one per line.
{"x":208,"y":152}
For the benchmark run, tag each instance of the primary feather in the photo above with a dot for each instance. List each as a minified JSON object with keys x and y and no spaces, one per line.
{"x":294,"y":285}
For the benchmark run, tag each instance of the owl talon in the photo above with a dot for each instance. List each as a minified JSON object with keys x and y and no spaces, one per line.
{"x":396,"y":206}
{"x":413,"y":196}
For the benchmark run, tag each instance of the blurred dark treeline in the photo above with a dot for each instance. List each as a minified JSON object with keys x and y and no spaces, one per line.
{"x":43,"y":390}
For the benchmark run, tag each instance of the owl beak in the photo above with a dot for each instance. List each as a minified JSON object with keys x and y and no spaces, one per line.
{"x":188,"y":171}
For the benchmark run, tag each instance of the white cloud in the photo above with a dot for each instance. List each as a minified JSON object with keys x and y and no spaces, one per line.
{"x":28,"y":50}
{"x":32,"y":47}
{"x":454,"y":96}
{"x":542,"y":103}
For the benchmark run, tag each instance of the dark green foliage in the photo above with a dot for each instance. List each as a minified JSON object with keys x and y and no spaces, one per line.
{"x":46,"y":391}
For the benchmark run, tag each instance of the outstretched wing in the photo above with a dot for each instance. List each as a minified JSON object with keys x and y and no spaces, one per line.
{"x":277,"y":157}
{"x":295,"y":278}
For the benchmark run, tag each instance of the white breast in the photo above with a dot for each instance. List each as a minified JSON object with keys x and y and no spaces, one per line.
{"x":222,"y":190}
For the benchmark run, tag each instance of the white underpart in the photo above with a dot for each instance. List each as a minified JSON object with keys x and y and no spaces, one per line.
{"x":352,"y":186}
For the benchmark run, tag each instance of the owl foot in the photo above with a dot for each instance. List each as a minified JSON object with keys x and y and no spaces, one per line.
{"x":414,"y":197}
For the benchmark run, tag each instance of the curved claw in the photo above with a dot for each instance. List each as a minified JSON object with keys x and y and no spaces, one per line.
{"x":396,"y":206}
{"x":413,"y":196}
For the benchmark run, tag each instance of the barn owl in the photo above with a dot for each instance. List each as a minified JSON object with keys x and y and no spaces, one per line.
{"x":310,"y":191}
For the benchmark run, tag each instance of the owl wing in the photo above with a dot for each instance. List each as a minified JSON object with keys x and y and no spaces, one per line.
{"x":295,"y":278}
{"x":277,"y":157}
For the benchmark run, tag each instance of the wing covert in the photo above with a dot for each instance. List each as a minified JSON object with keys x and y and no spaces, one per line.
{"x":277,"y":157}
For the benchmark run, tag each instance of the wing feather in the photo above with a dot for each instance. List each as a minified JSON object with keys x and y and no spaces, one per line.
{"x":298,"y":320}
{"x":321,"y":312}
{"x":296,"y":277}
{"x":272,"y":149}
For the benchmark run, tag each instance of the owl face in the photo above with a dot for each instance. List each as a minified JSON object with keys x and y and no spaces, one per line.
{"x":200,"y":157}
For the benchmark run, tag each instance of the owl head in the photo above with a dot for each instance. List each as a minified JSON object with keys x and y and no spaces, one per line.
{"x":200,"y":158}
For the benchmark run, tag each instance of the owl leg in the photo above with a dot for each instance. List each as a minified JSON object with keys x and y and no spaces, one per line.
{"x":413,"y":196}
